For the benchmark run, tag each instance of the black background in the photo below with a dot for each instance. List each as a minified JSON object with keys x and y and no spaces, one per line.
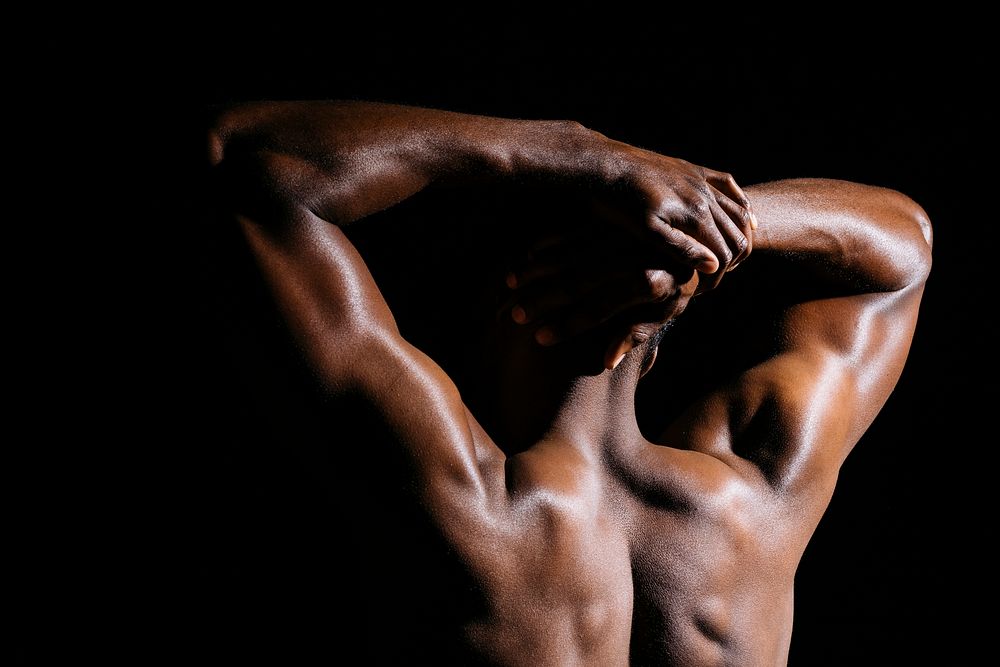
{"x":887,"y":578}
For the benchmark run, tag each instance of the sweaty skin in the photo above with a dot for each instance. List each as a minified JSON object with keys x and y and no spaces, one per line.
{"x":589,"y":544}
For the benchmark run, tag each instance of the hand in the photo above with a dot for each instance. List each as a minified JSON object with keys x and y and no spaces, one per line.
{"x":697,"y":216}
{"x":574,"y":282}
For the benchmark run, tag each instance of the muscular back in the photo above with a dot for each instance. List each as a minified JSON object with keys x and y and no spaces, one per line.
{"x":592,"y":561}
{"x":591,"y":543}
{"x":698,"y":572}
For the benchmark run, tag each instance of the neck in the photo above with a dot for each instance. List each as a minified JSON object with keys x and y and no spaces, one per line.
{"x":549,"y":394}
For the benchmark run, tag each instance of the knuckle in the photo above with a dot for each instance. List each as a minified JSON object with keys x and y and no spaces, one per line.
{"x":692,"y":250}
{"x":725,"y":256}
{"x":699,"y":187}
{"x":700,"y":209}
{"x":654,"y":283}
{"x":668,"y":207}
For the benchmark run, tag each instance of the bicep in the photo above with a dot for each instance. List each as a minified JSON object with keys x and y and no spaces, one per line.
{"x":867,"y":338}
{"x":796,"y":415}
{"x":850,"y":351}
{"x":346,"y":332}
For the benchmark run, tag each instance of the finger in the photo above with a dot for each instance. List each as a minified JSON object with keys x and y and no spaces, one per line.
{"x":700,"y":222}
{"x":727,"y":184}
{"x":711,"y":281}
{"x":666,"y":233}
{"x":735,"y":243}
{"x":682,"y":247}
{"x":739,"y":214}
{"x":737,"y":240}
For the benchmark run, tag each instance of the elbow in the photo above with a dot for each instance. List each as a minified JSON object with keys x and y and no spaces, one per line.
{"x":910,"y":238}
{"x":924,"y":223}
{"x":920,"y":239}
{"x":927,"y":232}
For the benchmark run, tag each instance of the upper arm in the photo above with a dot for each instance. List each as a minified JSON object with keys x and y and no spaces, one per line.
{"x":799,"y":414}
{"x":339,"y":319}
{"x":794,"y":415}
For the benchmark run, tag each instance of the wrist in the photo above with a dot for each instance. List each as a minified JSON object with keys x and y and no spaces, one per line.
{"x":551,"y":151}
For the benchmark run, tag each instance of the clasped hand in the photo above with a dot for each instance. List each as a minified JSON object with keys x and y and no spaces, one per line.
{"x":660,"y":231}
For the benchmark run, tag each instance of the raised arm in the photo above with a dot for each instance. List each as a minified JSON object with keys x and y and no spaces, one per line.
{"x":851,"y":237}
{"x":852,"y":261}
{"x":292,"y":174}
{"x":346,"y":160}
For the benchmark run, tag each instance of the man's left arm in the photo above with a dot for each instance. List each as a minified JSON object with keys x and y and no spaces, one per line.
{"x":854,"y":260}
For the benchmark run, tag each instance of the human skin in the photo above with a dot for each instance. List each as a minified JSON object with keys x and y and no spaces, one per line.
{"x":587,"y":542}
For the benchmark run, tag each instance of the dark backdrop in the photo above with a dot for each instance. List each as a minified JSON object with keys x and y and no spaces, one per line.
{"x":888,"y":575}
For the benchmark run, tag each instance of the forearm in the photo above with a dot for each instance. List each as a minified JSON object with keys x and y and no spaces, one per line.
{"x":346,"y":160}
{"x":860,"y":237}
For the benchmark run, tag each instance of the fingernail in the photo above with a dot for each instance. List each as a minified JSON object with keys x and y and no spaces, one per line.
{"x":709,"y":267}
{"x":518,"y":314}
{"x":753,"y":220}
{"x":545,"y":336}
{"x":618,"y":360}
{"x":511,"y":281}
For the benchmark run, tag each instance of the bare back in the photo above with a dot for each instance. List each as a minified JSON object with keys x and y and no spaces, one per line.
{"x":595,"y":545}
{"x":697,"y":574}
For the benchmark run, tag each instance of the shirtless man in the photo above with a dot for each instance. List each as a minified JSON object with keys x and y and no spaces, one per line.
{"x":581,"y":540}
